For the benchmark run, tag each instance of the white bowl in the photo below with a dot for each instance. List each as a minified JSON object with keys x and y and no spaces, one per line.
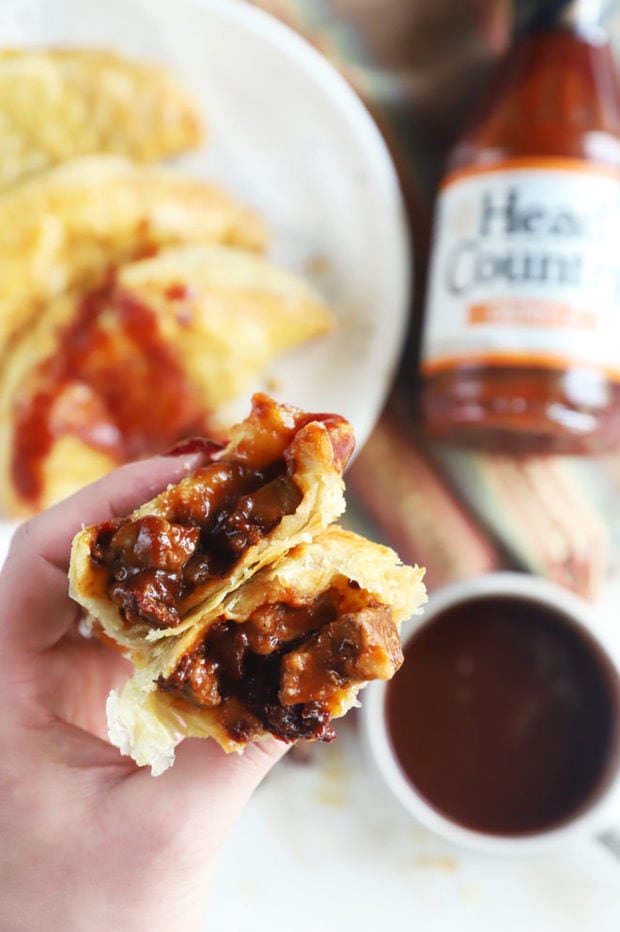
{"x":603,"y":811}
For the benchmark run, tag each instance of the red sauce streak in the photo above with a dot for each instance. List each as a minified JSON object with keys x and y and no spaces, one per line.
{"x":178,"y":291}
{"x":114,"y":384}
{"x":210,"y":448}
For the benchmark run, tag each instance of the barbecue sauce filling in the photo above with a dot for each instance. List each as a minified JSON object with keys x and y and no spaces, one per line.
{"x":285,"y":668}
{"x":155,"y":564}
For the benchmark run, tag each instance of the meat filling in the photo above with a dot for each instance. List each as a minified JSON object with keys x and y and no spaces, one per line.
{"x":287,"y":666}
{"x":353,"y":648}
{"x":155,"y":563}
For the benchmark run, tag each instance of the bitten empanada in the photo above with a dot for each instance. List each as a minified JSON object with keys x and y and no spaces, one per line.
{"x":278,"y":482}
{"x":57,"y":104}
{"x":68,"y":226}
{"x":195,"y":325}
{"x":283,"y":655}
{"x":244,"y":610}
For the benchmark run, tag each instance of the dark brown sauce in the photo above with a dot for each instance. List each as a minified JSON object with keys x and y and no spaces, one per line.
{"x":114,"y":382}
{"x":228,"y":664}
{"x":503,"y":716}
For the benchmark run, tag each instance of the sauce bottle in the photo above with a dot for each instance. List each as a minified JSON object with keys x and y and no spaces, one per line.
{"x":521,"y":340}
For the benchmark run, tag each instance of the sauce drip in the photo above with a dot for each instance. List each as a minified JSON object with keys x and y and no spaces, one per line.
{"x":502,"y":716}
{"x":114,"y":383}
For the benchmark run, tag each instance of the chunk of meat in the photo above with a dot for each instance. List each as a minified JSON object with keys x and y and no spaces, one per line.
{"x":156,"y":564}
{"x":272,"y":625}
{"x":145,"y":559}
{"x":354,"y":648}
{"x":254,"y":515}
{"x":200,"y":501}
{"x":148,"y":597}
{"x":152,"y":543}
{"x":194,"y":679}
{"x":223,"y":670}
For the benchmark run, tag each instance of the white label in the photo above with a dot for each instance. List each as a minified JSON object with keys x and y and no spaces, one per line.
{"x":526,"y":268}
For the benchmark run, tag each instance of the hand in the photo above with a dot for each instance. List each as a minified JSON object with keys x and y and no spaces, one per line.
{"x":89,"y":840}
{"x":494,"y":20}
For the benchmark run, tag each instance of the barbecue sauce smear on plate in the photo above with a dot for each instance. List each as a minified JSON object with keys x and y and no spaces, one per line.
{"x":115,"y":383}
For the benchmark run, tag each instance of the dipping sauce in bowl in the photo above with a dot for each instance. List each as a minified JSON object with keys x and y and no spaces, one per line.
{"x":503,"y":716}
{"x":502,"y":728}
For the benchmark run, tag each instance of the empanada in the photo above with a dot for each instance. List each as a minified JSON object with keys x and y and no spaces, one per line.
{"x":197,"y":324}
{"x":66,"y":227}
{"x":277,"y":483}
{"x":57,"y":104}
{"x":284,"y":654}
{"x":245,"y":612}
{"x":228,"y":311}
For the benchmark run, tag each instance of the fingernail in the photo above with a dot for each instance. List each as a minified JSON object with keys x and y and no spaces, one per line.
{"x":195,"y":445}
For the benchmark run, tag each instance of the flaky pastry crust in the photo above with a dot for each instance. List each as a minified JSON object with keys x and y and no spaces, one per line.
{"x":314,"y":453}
{"x":68,"y":226}
{"x":219,"y":314}
{"x":57,"y":104}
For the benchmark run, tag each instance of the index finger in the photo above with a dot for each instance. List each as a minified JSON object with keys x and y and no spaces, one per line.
{"x":35,"y":608}
{"x":51,"y":532}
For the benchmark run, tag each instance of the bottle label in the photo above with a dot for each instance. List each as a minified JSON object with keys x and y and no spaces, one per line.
{"x":525,"y":268}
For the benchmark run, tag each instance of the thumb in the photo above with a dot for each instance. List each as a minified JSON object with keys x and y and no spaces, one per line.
{"x":207,"y":788}
{"x":494,"y":20}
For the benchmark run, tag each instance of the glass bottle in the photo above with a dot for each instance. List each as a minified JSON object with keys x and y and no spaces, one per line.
{"x":521,"y":338}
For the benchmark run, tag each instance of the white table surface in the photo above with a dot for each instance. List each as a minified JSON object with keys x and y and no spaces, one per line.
{"x":322,"y":846}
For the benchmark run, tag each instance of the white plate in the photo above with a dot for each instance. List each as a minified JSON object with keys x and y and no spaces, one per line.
{"x":288,"y":136}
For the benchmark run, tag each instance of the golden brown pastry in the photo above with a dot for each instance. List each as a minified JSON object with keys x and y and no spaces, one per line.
{"x":67,"y":227}
{"x":265,"y":619}
{"x":228,"y":311}
{"x":276,"y":483}
{"x":198,"y":323}
{"x":56,"y":104}
{"x":287,"y":652}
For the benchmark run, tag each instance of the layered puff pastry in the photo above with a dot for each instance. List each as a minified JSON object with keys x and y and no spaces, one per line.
{"x":283,"y":655}
{"x":278,"y":481}
{"x":244,"y":610}
{"x":57,"y":104}
{"x":195,"y":325}
{"x":66,"y":227}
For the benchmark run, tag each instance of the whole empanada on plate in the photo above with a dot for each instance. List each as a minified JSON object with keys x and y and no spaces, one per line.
{"x":68,"y":226}
{"x":278,"y":482}
{"x":197,"y":325}
{"x":57,"y":104}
